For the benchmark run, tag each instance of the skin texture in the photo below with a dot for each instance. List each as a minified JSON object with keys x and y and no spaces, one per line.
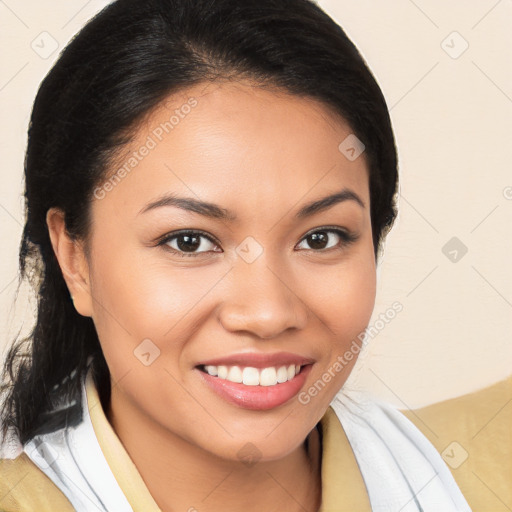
{"x":262,"y":154}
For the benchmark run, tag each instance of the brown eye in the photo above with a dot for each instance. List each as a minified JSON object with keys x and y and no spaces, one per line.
{"x":318,"y":240}
{"x":322,"y":239}
{"x":188,"y":243}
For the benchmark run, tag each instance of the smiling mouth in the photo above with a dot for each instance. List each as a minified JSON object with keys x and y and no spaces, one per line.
{"x":251,"y":376}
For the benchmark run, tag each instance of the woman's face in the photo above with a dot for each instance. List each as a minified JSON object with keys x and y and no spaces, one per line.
{"x":267,"y":277}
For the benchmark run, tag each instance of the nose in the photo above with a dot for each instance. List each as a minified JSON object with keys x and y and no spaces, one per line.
{"x":261,"y":301}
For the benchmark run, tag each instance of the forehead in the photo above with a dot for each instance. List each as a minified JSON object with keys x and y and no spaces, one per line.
{"x":237,"y":144}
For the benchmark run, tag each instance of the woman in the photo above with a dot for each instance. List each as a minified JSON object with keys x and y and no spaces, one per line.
{"x":208,"y":187}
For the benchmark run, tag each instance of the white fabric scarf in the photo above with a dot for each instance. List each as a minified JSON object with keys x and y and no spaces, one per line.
{"x":402,"y":470}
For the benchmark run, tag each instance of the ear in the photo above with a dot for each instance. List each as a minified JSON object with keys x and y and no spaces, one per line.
{"x":72,"y":261}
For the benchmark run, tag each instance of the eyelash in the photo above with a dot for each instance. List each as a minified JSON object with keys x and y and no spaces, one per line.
{"x":346,"y":237}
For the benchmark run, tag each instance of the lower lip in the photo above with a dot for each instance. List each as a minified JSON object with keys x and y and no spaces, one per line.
{"x":257,"y":397}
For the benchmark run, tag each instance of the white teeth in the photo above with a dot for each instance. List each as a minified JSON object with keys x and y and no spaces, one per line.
{"x":254,"y":376}
{"x":212,"y":370}
{"x":268,"y":377}
{"x":235,"y":374}
{"x":282,"y":374}
{"x":222,"y":372}
{"x":251,"y":376}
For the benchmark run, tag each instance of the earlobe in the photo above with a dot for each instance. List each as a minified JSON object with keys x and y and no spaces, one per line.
{"x":72,"y":261}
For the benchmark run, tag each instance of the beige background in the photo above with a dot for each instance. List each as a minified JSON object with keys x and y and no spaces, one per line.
{"x":451,"y":107}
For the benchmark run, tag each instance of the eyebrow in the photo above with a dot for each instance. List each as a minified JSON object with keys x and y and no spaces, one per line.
{"x":217,"y":212}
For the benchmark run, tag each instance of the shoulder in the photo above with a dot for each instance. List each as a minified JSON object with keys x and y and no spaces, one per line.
{"x":473,"y":435}
{"x":24,"y":487}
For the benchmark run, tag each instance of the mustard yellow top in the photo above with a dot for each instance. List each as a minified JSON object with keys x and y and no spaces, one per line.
{"x":473,"y":433}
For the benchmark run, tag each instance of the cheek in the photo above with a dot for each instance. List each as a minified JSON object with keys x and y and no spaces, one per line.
{"x":143,"y":294}
{"x":143,"y":311}
{"x":344,"y":304}
{"x":346,"y":308}
{"x":347,"y":296}
{"x":138,"y":299}
{"x":357,"y":298}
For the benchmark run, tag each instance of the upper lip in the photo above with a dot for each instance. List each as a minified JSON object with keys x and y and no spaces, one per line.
{"x":258,"y":360}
